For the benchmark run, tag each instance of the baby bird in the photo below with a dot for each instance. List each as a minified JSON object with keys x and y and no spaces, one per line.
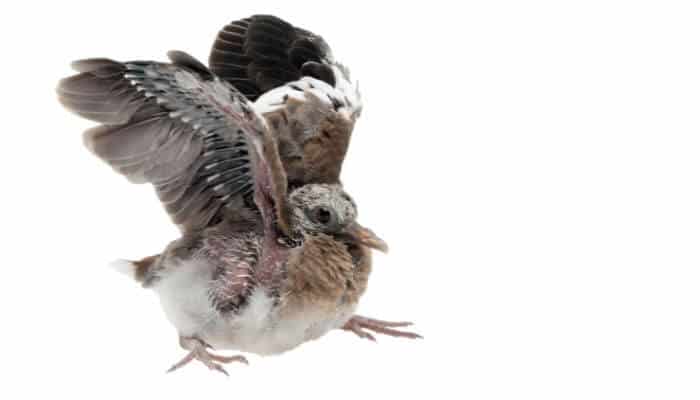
{"x":271,"y":254}
{"x":217,"y":291}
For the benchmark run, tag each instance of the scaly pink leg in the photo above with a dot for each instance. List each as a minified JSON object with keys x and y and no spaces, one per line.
{"x":198,"y":351}
{"x":360,"y":325}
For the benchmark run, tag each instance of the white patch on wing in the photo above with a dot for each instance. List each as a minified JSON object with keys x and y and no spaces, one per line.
{"x":350,"y":90}
{"x":344,"y":92}
{"x":274,"y":99}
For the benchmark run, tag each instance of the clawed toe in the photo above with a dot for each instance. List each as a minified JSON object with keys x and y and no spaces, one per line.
{"x":199,"y":352}
{"x":228,"y":359}
{"x":359,"y":326}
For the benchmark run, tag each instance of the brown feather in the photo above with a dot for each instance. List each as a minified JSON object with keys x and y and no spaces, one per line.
{"x":324,"y":153}
{"x":323,"y":273}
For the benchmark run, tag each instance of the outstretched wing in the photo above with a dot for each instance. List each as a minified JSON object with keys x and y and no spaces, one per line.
{"x":178,"y":127}
{"x":262,"y":52}
{"x":307,"y":97}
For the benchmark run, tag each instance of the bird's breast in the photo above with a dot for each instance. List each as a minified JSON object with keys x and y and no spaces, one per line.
{"x":324,"y":274}
{"x":322,"y":284}
{"x":324,"y":281}
{"x":264,"y":328}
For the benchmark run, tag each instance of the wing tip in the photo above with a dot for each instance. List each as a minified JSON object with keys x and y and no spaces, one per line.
{"x":92,"y":64}
{"x":183,"y":59}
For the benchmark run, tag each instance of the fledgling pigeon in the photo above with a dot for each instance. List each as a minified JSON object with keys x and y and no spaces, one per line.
{"x":245,"y":157}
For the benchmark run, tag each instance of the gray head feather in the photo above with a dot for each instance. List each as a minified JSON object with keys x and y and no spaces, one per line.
{"x":321,"y":208}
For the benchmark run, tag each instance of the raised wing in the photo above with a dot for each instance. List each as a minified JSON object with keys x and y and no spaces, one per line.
{"x":307,"y":97}
{"x":177,"y":126}
{"x":263,"y":52}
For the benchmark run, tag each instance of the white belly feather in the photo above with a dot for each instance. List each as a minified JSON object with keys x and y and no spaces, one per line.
{"x":257,"y":329}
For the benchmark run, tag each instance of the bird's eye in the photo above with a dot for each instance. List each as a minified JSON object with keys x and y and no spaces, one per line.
{"x":323,"y":215}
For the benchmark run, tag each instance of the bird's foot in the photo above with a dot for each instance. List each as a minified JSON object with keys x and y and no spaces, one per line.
{"x":360,"y":325}
{"x":198,"y":351}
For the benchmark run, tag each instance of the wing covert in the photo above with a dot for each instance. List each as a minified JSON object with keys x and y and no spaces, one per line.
{"x":175,"y":126}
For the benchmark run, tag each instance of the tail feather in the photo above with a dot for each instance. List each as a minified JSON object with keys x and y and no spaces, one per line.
{"x":135,"y":269}
{"x":126,"y":267}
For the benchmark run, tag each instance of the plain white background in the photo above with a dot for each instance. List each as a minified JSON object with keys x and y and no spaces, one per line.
{"x":533,"y":165}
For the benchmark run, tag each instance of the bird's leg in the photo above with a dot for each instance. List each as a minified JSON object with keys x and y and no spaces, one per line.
{"x":360,"y":325}
{"x":198,"y":351}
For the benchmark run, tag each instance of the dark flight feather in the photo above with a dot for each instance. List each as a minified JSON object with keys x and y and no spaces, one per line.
{"x":262,"y":52}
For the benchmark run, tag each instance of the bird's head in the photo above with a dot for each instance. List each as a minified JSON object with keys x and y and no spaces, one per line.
{"x":327,"y":209}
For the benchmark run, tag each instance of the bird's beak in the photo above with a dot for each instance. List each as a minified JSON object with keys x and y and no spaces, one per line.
{"x":366,"y":237}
